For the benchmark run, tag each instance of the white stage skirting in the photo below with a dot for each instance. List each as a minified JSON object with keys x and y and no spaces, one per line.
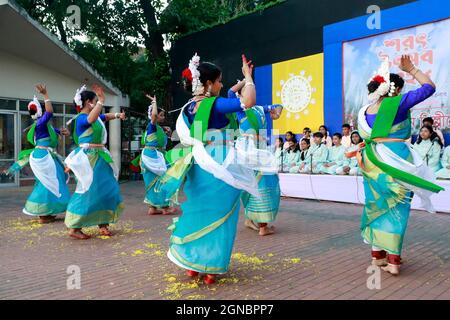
{"x":346,"y":189}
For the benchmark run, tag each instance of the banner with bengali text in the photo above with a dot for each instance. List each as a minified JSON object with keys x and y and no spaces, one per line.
{"x":429,"y":47}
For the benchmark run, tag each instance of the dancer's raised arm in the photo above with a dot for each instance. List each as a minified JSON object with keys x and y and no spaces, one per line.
{"x":236,"y":88}
{"x":248,"y":93}
{"x":406,"y":65}
{"x":97,"y":110}
{"x":154,"y":112}
{"x":42,"y":89}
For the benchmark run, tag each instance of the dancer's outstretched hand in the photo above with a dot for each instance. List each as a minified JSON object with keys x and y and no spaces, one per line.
{"x":122,"y":116}
{"x":406,"y":64}
{"x":247,"y":67}
{"x":64,"y":131}
{"x":152,"y":99}
{"x":99,"y":92}
{"x":41,"y":88}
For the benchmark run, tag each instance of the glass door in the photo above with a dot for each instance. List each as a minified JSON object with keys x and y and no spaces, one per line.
{"x":7,"y":147}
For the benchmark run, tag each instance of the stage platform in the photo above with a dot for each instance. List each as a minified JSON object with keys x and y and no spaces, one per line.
{"x":347,"y":189}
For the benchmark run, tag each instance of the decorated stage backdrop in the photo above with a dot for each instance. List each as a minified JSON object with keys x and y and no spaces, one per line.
{"x":296,"y":84}
{"x":353,"y":48}
{"x":429,"y":46}
{"x":329,"y":88}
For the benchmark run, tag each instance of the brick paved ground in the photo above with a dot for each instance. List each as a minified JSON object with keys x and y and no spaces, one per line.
{"x":317,"y":253}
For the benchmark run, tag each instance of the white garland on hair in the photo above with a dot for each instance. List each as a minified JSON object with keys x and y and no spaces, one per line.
{"x":149,"y":112}
{"x":77,"y":97}
{"x":197,"y":86}
{"x":150,"y":109}
{"x":386,"y":87}
{"x":38,"y":113}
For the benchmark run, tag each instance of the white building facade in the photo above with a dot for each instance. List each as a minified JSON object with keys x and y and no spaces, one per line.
{"x":29,"y":54}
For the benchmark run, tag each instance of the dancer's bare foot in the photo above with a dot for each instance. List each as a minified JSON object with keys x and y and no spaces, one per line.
{"x":192,"y":273}
{"x":168,"y":210}
{"x":78,"y":234}
{"x":379,"y":262}
{"x":46,"y":219}
{"x":104,"y":231}
{"x":209,"y":279}
{"x":392,"y":269}
{"x":251,"y":225}
{"x":152,"y":211}
{"x":265,"y":231}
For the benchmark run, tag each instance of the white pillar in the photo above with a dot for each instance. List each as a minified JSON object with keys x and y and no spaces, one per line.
{"x":115,"y":143}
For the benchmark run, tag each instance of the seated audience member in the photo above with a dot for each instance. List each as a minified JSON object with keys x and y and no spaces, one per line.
{"x":355,"y":138}
{"x":429,"y":150}
{"x":291,"y":156}
{"x":444,"y":173}
{"x":350,"y":166}
{"x":326,"y":137}
{"x":317,"y":155}
{"x":306,"y":134}
{"x":346,"y":139}
{"x":336,"y":156}
{"x":278,"y":150}
{"x":437,"y":133}
{"x":290,"y":136}
{"x":304,"y":148}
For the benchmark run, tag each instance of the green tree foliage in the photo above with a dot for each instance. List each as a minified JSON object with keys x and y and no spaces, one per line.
{"x":124,"y":39}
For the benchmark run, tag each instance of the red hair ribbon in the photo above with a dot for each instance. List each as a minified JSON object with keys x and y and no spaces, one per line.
{"x":187,"y":74}
{"x":32,"y":107}
{"x":379,"y":79}
{"x":78,"y":108}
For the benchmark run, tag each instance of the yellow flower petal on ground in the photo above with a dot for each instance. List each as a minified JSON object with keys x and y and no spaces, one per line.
{"x":228,"y":280}
{"x":294,"y":260}
{"x":195,"y":297}
{"x":137,"y":252}
{"x":159,"y":253}
{"x":175,"y":289}
{"x":245,"y":259}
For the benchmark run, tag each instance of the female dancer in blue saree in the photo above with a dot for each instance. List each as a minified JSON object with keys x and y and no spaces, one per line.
{"x":391,"y":169}
{"x":253,"y":149}
{"x":97,"y":199}
{"x":203,"y":237}
{"x":50,"y":195}
{"x":153,"y":163}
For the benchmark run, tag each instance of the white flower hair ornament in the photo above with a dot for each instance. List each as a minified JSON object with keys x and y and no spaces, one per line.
{"x":382,"y":76}
{"x":149,"y":112}
{"x":36,"y":106}
{"x":77,"y":97}
{"x":150,"y":109}
{"x":197,"y":86}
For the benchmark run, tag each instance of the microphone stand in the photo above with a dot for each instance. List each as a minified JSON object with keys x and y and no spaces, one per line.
{"x":427,"y":156}
{"x":312,"y":159}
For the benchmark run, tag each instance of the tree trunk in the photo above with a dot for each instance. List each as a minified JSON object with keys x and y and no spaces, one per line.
{"x":55,"y":11}
{"x":62,"y":31}
{"x":154,"y":43}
